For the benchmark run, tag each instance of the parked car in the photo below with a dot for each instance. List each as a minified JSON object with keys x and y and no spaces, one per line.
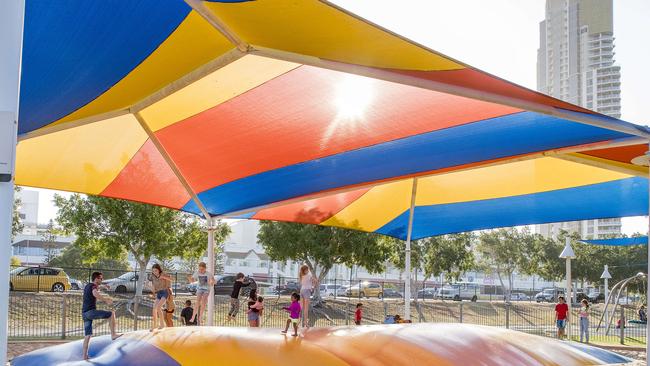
{"x":581,"y":296}
{"x":549,"y":295}
{"x":124,"y":283}
{"x":390,"y":293}
{"x":428,"y":293}
{"x":39,"y":279}
{"x":461,"y":291}
{"x":519,"y":296}
{"x":329,"y":289}
{"x":76,"y":284}
{"x":596,"y":297}
{"x":287,"y":288}
{"x":365,"y":289}
{"x":223,"y":285}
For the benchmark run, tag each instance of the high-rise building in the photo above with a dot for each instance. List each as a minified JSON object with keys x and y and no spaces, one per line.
{"x":575,"y":63}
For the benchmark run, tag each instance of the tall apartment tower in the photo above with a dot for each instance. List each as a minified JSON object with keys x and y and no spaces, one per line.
{"x":575,"y":63}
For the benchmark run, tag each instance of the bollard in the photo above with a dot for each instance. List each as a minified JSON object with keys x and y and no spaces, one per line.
{"x":622,"y":329}
{"x":64,"y":306}
{"x":460,"y":318}
{"x":507,"y":316}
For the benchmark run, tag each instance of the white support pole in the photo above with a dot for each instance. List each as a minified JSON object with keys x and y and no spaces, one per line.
{"x":407,"y":252}
{"x":647,"y":331}
{"x":211,"y":270}
{"x":569,"y":298}
{"x":11,"y":34}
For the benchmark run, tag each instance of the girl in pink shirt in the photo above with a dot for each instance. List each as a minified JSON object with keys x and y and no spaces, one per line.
{"x":294,"y":314}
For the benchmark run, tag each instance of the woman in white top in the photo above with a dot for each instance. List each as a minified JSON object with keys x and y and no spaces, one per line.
{"x":307,"y":284}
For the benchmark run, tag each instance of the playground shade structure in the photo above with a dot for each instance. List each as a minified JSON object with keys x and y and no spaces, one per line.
{"x":641,"y":240}
{"x":394,"y":345}
{"x":301,"y":111}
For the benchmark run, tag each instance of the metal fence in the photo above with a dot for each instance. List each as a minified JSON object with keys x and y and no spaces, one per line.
{"x":58,"y":315}
{"x":36,"y":312}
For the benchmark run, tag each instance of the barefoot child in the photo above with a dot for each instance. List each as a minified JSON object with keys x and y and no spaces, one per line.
{"x":170,"y":307}
{"x":186,"y":314}
{"x":294,"y":314}
{"x":205,"y":279}
{"x":255,"y":310}
{"x":160,"y":282}
{"x":89,"y":310}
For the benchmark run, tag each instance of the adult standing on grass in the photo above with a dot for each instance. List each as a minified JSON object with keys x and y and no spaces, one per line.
{"x":89,"y":310}
{"x":307,"y":284}
{"x":584,"y":320}
{"x":160,"y":282}
{"x":561,"y":316}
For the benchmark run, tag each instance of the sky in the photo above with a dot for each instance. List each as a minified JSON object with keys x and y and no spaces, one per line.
{"x":502,"y":37}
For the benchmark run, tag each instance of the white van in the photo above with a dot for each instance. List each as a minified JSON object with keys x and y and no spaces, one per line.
{"x":461,"y":291}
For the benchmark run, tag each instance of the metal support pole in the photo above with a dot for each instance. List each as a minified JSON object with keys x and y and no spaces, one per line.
{"x":568,"y":295}
{"x":11,"y":34}
{"x":64,"y":308}
{"x":622,"y":328}
{"x":407,"y":252}
{"x":647,"y":342}
{"x":211,"y":270}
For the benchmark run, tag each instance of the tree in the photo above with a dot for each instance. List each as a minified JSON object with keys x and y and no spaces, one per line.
{"x":321,"y":247}
{"x":49,"y":241}
{"x":506,"y":251}
{"x":16,"y":222}
{"x":77,"y":264}
{"x":448,"y":254}
{"x":107,"y":227}
{"x":15,"y":261}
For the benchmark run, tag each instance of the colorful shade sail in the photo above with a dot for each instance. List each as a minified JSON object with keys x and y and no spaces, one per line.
{"x":641,"y":240}
{"x":302,"y":111}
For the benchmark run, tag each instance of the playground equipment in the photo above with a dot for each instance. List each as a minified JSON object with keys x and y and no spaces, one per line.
{"x":616,"y":292}
{"x":395,"y":345}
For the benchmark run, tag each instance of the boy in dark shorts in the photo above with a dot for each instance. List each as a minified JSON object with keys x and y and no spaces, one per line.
{"x":186,"y":314}
{"x":89,"y":310}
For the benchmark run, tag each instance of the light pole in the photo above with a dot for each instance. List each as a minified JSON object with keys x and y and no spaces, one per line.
{"x":568,"y":254}
{"x":606,"y":276}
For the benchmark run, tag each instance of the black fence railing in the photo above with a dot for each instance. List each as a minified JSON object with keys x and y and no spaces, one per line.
{"x":40,"y":308}
{"x":58,"y":315}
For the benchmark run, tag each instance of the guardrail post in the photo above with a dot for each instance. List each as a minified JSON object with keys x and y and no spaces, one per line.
{"x":64,"y":308}
{"x":622,"y":321}
{"x":460,"y":317}
{"x":507,"y":316}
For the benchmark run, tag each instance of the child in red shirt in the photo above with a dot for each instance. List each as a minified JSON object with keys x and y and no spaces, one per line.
{"x":561,"y":311}
{"x":358,"y":313}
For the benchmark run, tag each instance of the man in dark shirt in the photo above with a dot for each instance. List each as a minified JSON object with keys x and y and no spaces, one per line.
{"x":234,"y":295}
{"x":186,"y":314}
{"x":89,"y":310}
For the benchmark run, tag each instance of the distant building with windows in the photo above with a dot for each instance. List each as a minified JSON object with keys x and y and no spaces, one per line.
{"x":575,"y":63}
